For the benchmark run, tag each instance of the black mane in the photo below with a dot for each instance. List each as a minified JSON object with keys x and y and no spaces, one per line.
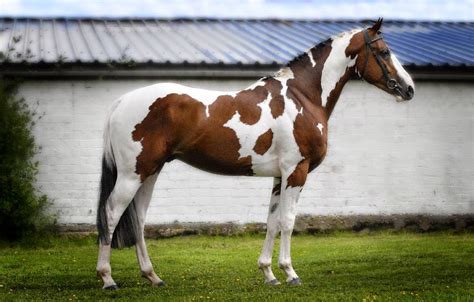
{"x":303,"y":54}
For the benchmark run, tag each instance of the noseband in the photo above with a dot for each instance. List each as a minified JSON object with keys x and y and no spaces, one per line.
{"x":391,"y":82}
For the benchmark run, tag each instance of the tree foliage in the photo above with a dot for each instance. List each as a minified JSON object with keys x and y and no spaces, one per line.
{"x":22,"y":208}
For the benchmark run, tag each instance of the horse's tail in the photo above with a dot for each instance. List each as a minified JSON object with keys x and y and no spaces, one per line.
{"x":127,"y":230}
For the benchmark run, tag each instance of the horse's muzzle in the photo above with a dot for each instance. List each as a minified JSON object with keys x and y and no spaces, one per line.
{"x":405,"y":94}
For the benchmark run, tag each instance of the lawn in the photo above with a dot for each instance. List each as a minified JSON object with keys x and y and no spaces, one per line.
{"x":382,"y":266}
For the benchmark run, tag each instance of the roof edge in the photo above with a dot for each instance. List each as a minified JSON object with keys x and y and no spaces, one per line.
{"x":451,"y":73}
{"x":206,"y":19}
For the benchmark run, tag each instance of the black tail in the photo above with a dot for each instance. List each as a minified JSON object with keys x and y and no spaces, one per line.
{"x":127,"y":230}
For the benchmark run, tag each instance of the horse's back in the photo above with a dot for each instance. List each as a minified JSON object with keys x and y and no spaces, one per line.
{"x":131,"y":108}
{"x":145,"y":96}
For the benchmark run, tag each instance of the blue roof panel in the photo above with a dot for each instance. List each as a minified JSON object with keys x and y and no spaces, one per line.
{"x":211,"y":41}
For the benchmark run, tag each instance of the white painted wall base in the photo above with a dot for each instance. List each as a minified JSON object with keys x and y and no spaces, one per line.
{"x":384,"y":157}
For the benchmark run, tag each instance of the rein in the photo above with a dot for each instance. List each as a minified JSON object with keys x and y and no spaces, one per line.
{"x":391,"y":82}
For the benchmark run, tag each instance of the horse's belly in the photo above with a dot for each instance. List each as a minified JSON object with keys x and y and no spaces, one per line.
{"x":266,"y":167}
{"x":223,"y":160}
{"x":217,"y":163}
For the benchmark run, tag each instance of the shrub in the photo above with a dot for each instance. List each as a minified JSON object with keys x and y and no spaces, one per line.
{"x":22,"y":209}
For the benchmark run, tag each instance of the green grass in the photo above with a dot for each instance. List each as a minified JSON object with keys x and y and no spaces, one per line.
{"x":338,"y":267}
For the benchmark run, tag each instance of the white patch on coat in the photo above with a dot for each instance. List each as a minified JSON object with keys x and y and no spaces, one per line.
{"x":265,"y":164}
{"x":401,"y":72}
{"x":310,"y":55}
{"x":290,"y":154}
{"x":320,"y":127}
{"x":256,"y":84}
{"x":284,"y":75}
{"x":336,"y":64}
{"x":108,"y":152}
{"x":283,"y":153}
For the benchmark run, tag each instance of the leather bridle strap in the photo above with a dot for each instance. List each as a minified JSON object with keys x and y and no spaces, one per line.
{"x":391,"y":82}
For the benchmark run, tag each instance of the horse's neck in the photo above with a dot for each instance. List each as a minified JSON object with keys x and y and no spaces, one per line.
{"x":320,"y":74}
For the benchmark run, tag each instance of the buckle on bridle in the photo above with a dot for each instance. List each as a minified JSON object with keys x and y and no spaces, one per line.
{"x":392,"y":84}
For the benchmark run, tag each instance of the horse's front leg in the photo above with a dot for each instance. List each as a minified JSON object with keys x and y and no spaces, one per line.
{"x":293,"y":181}
{"x":265,"y":259}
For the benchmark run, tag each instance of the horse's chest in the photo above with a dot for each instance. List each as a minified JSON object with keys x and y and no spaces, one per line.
{"x":310,"y":134}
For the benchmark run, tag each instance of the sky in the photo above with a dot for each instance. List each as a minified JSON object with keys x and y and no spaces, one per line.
{"x":454,"y":10}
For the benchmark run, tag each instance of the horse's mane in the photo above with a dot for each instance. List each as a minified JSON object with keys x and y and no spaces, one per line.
{"x":317,"y":47}
{"x":299,"y":57}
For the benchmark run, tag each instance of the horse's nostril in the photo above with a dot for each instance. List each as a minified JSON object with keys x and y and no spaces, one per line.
{"x":410,"y":92}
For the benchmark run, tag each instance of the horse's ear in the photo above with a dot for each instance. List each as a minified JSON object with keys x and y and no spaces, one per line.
{"x":377,"y":25}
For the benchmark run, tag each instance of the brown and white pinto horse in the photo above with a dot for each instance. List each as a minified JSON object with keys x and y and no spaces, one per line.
{"x":277,"y":127}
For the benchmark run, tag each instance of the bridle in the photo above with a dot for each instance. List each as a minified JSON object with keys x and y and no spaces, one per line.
{"x":392,"y":84}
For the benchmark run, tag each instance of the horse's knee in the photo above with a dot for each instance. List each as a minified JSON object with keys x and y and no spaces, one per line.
{"x":263,"y":262}
{"x":147,"y":270}
{"x":103,"y":269}
{"x":286,"y":225}
{"x":284,"y":264}
{"x":272,"y":230}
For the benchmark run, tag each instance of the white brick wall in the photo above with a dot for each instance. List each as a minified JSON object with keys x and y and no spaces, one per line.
{"x":384,"y":157}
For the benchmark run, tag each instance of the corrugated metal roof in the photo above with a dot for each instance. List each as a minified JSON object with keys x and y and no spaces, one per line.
{"x":216,"y":42}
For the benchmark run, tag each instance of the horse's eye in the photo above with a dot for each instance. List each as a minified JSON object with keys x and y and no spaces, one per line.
{"x":385,"y":53}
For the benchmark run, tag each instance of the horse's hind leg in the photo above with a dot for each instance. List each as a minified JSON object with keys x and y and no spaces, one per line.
{"x":120,"y":198}
{"x":142,"y":201}
{"x":265,"y":260}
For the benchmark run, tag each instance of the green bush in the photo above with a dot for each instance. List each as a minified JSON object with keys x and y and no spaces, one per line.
{"x":22,"y":209}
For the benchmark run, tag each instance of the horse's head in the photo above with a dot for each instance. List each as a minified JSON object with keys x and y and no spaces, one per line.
{"x":378,"y":65}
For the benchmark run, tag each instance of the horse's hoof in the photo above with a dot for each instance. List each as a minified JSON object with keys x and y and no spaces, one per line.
{"x":294,"y":281}
{"x":273,"y":282}
{"x":111,"y":287}
{"x":159,"y":284}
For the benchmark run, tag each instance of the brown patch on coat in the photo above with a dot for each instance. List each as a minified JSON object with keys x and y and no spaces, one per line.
{"x":306,"y":84}
{"x":212,"y":147}
{"x":312,"y":145}
{"x":298,"y":177}
{"x":264,"y":142}
{"x":157,"y":134}
{"x":247,"y":104}
{"x":277,"y":103}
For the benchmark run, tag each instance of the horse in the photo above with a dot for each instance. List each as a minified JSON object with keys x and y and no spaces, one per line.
{"x":277,"y":127}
